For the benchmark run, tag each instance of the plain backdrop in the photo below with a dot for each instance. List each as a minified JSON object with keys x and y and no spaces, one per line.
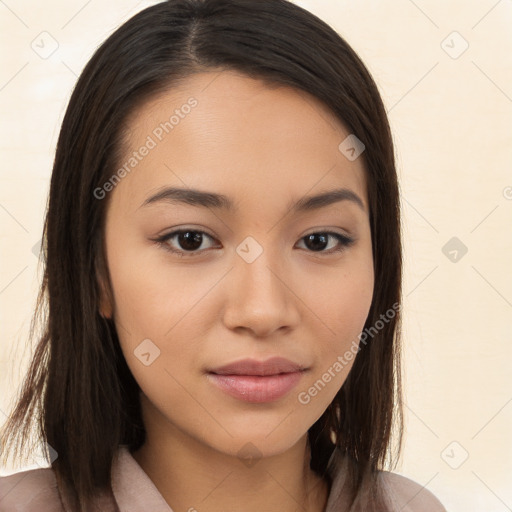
{"x":444,"y":70}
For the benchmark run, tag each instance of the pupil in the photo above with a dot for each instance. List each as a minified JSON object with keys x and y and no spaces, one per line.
{"x":315,"y":246}
{"x":190,"y":242}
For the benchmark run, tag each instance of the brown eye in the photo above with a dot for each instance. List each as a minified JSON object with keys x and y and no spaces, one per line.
{"x":189,"y":242}
{"x":186,"y":241}
{"x":317,"y":242}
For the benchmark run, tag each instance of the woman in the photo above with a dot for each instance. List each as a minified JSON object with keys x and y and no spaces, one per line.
{"x":223,"y":272}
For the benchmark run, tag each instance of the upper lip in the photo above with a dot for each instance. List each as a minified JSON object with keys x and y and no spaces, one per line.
{"x":272,"y":366}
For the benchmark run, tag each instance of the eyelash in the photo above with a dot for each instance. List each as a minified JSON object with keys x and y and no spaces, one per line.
{"x":162,"y":241}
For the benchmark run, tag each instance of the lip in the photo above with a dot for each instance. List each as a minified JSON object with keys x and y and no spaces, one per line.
{"x":271,"y":366}
{"x":257,"y":381}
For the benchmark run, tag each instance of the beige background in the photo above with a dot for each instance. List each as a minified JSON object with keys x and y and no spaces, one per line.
{"x":451,"y":114}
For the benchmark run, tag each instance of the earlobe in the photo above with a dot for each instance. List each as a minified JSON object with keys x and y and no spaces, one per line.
{"x":105,"y":308}
{"x":105,"y":301}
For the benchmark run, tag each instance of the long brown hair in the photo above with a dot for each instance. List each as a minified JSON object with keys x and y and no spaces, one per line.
{"x":79,"y":391}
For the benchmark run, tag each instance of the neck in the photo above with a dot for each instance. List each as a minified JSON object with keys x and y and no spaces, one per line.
{"x":192,"y":476}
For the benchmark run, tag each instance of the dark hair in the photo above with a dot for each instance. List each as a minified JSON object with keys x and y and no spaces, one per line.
{"x":79,"y":388}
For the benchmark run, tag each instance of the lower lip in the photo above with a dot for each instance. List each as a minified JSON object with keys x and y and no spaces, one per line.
{"x":254,"y":388}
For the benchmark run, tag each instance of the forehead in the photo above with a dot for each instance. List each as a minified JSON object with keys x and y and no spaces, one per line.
{"x":224,"y":131}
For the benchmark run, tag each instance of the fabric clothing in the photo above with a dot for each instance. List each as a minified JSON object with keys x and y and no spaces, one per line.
{"x":132,"y":490}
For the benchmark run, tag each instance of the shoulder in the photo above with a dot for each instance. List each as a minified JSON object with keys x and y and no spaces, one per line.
{"x":30,"y":491}
{"x":408,"y":495}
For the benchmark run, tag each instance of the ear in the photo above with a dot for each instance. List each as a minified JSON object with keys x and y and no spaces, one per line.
{"x":105,"y":297}
{"x":105,"y":306}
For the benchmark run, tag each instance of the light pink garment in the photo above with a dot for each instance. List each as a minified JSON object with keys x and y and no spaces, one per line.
{"x":133,"y":491}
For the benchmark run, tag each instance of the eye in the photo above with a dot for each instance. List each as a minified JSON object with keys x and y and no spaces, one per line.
{"x":190,"y":242}
{"x":189,"y":239}
{"x":318,"y":240}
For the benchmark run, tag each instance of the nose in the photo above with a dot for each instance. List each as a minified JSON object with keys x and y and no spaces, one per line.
{"x":260,"y":297}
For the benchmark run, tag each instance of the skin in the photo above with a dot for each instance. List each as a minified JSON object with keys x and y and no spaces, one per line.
{"x":263,"y":147}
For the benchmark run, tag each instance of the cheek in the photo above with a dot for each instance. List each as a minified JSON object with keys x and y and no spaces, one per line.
{"x":336,"y":353}
{"x":156,"y":336}
{"x":150,"y":296}
{"x":343,"y":302}
{"x":158,"y":317}
{"x":342,"y":306}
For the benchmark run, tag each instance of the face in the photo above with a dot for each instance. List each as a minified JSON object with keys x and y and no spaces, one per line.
{"x":258,"y":273}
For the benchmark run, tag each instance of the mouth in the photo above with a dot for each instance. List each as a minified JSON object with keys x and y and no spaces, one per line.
{"x":256,"y":381}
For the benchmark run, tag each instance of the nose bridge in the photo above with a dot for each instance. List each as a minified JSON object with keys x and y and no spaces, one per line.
{"x":259,"y":298}
{"x":258,"y":267}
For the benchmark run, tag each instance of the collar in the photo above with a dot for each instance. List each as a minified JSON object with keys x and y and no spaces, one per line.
{"x":132,"y":488}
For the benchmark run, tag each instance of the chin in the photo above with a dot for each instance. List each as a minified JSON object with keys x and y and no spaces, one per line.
{"x":252,"y":444}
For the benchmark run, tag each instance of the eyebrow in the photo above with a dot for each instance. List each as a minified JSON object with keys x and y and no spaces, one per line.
{"x":200,"y":198}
